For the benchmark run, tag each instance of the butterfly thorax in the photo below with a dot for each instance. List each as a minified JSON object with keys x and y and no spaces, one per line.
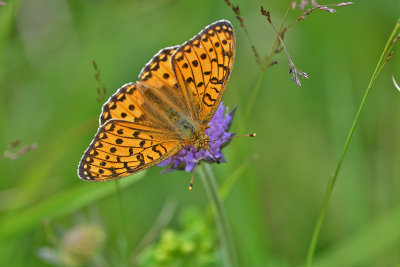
{"x":195,"y":135}
{"x":174,"y":116}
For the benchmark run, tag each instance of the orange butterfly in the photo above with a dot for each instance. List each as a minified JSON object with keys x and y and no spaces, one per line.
{"x":170,"y":107}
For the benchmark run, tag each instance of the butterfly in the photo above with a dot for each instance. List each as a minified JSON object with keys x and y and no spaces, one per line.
{"x":168,"y":108}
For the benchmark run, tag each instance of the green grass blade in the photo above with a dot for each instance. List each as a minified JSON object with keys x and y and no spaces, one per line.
{"x":332,"y":180}
{"x":366,"y":244}
{"x":63,"y":203}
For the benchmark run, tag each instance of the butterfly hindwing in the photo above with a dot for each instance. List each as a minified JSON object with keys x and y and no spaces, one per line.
{"x":121,"y":148}
{"x":202,"y":67}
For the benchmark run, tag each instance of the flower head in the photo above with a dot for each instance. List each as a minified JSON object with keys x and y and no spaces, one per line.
{"x":80,"y":245}
{"x":187,"y":158}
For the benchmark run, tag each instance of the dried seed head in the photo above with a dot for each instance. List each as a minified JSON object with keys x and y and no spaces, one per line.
{"x":266,"y":13}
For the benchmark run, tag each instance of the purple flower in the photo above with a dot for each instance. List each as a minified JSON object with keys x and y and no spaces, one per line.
{"x":187,"y":158}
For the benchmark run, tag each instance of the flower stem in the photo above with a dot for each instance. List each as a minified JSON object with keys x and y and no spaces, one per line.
{"x":225,"y":233}
{"x":382,"y":61}
{"x":124,"y":247}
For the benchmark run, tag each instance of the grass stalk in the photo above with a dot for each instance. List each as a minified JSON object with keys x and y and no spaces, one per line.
{"x":382,"y":61}
{"x":265,"y":66}
{"x":160,"y":223}
{"x":125,"y":242}
{"x":224,"y":230}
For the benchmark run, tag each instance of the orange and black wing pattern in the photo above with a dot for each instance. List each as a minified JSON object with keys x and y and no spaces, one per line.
{"x":138,"y":126}
{"x":121,"y":148}
{"x":125,"y":104}
{"x":158,"y":73}
{"x":158,"y":78}
{"x":202,"y":68}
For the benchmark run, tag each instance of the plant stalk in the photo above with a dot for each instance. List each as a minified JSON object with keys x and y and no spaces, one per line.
{"x":224,"y":230}
{"x":124,"y":248}
{"x":382,"y":61}
{"x":264,"y":67}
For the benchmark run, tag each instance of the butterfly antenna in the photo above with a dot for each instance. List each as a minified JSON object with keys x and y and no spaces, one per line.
{"x":191,"y":181}
{"x":246,"y":135}
{"x":215,"y":158}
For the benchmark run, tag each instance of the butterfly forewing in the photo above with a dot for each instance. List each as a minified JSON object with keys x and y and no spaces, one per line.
{"x":121,"y":148}
{"x":202,"y":67}
{"x":159,"y":79}
{"x":127,"y":101}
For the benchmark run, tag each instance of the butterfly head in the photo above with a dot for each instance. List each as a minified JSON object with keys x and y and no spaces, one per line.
{"x":202,"y":142}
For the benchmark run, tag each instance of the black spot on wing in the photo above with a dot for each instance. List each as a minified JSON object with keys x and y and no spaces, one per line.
{"x":208,"y":100}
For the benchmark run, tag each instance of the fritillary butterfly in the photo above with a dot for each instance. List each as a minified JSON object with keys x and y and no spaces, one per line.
{"x":170,"y":106}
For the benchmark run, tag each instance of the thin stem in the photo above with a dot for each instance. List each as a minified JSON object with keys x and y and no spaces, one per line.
{"x":160,"y":223}
{"x":225,"y":234}
{"x":276,"y":41}
{"x":234,"y":177}
{"x":123,"y":223}
{"x":253,"y":96}
{"x":332,"y":180}
{"x":264,"y":68}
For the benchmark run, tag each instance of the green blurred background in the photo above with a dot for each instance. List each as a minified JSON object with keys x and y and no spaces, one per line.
{"x":48,"y":97}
